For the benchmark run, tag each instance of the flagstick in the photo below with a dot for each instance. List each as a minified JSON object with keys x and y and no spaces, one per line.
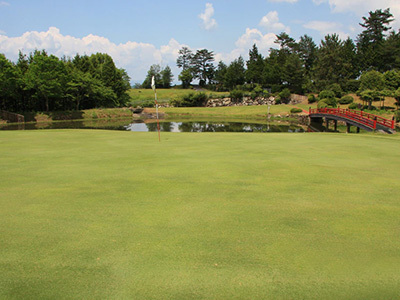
{"x":158,"y":122}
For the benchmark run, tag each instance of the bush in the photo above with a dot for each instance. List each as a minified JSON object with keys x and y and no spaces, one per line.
{"x":312,"y":98}
{"x":285,"y":95}
{"x":326,"y":94}
{"x":336,"y":89}
{"x":346,"y":100}
{"x":354,"y":106}
{"x":148,"y":103}
{"x":236,"y":95}
{"x":352,"y":86}
{"x":295,"y":110}
{"x":322,"y":104}
{"x":191,"y":100}
{"x":397,"y":115}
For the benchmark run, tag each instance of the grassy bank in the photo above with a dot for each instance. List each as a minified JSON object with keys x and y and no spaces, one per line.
{"x":114,"y":215}
{"x":88,"y":114}
{"x":140,"y":96}
{"x":238,"y":112}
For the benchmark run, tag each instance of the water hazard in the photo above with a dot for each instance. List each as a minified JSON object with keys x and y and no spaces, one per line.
{"x":143,"y":126}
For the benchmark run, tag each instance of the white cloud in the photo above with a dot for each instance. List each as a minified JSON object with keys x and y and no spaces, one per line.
{"x":325,"y":28}
{"x":4,"y":3}
{"x":271,"y":22}
{"x":208,"y":22}
{"x":362,"y":7}
{"x":289,"y":1}
{"x":135,"y":57}
{"x":252,"y":36}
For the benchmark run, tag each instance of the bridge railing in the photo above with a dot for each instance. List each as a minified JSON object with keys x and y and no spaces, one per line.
{"x":361,"y":117}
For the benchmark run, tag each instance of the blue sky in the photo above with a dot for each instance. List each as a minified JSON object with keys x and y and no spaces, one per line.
{"x":140,"y":33}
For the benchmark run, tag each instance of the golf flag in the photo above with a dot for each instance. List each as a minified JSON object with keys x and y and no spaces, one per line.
{"x":153,"y":83}
{"x":153,"y":86}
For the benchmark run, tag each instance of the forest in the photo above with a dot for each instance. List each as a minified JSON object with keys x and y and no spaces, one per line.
{"x":42,"y":82}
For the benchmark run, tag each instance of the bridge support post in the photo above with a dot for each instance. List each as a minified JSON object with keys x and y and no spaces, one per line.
{"x":348,"y":127}
{"x":358,"y":129}
{"x":327,"y":124}
{"x":335,"y":125}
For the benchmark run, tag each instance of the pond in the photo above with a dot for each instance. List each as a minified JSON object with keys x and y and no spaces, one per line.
{"x":150,"y":125}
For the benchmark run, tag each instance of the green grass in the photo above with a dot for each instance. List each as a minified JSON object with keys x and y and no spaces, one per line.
{"x":139,"y":96}
{"x":117,"y":215}
{"x":238,"y":112}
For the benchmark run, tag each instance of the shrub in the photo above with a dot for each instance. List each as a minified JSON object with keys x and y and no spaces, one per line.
{"x":352,"y":85}
{"x":353,"y":106}
{"x":397,"y":115}
{"x":336,"y":89}
{"x":278,"y":100}
{"x":191,"y":100}
{"x":346,"y":100}
{"x":295,"y":110}
{"x":148,"y":103}
{"x":285,"y":95}
{"x":312,"y":98}
{"x":322,"y":104}
{"x":257,"y":92}
{"x":326,"y":94}
{"x":236,"y":95}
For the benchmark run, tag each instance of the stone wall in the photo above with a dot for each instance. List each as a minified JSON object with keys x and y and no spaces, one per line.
{"x":246,"y":101}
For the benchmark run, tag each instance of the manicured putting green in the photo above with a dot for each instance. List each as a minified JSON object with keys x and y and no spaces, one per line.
{"x":118,"y":215}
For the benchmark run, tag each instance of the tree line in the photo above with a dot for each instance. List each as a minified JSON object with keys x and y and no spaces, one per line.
{"x":42,"y":82}
{"x":302,"y":66}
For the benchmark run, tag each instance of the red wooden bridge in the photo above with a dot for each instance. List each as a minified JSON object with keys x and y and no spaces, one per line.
{"x":360,"y":119}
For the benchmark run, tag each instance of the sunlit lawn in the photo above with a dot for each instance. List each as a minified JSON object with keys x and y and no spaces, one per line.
{"x":117,"y":215}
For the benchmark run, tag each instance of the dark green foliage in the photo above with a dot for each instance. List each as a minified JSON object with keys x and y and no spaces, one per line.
{"x":336,"y":62}
{"x":295,"y":110}
{"x":312,"y":98}
{"x":351,"y":86}
{"x":337,"y":89}
{"x":330,"y":102}
{"x":371,"y":42}
{"x":148,"y":103}
{"x":322,"y":104}
{"x":258,"y":92}
{"x":255,"y":66}
{"x":397,"y":116}
{"x":353,"y":106}
{"x":392,"y":79}
{"x":346,"y":100}
{"x":285,"y":95}
{"x":372,"y":80}
{"x":202,"y":66}
{"x":236,"y":95}
{"x":370,"y":96}
{"x":326,"y":94}
{"x":43,"y":82}
{"x":235,"y":74}
{"x":191,"y":100}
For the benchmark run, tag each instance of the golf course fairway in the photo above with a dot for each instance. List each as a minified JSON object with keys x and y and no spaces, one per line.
{"x":88,"y":214}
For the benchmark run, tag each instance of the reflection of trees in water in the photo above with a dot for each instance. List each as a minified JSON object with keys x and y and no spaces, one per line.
{"x":164,"y":126}
{"x":236,"y":127}
{"x":151,"y":126}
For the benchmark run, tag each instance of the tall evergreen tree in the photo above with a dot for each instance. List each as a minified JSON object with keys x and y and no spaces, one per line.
{"x":235,"y":73}
{"x":255,"y":66}
{"x":370,"y":41}
{"x":202,"y":66}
